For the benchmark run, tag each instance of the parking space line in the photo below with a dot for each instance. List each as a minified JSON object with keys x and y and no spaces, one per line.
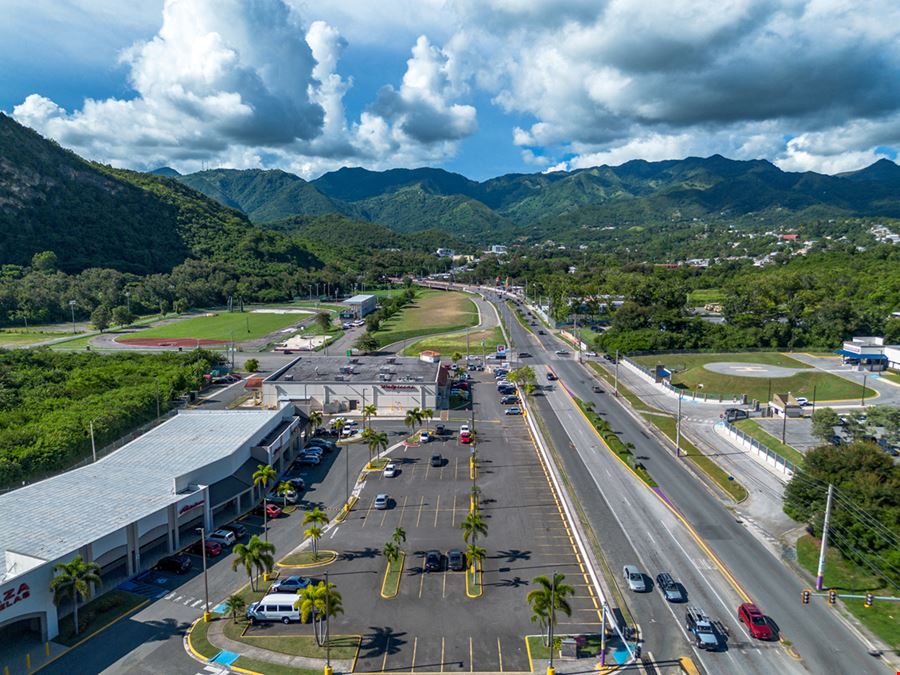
{"x":442,"y":655}
{"x":437,"y":509}
{"x":453,"y":513}
{"x":368,"y":511}
{"x":427,"y":466}
{"x":421,"y":504}
{"x":456,"y":468}
{"x":403,"y":510}
{"x":444,"y":589}
{"x":412,"y":668}
{"x":470,"y":654}
{"x":500,"y":654}
{"x":387,"y":649}
{"x":422,"y":577}
{"x":383,"y":516}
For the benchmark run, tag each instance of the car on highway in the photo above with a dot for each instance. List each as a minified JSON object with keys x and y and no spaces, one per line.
{"x":390,"y":471}
{"x":239,"y":530}
{"x":223,"y":537}
{"x":551,"y":376}
{"x":433,"y":561}
{"x":212,"y":548}
{"x":702,"y":628}
{"x":509,"y":399}
{"x":456,"y":560}
{"x":437,"y":459}
{"x":381,"y":501}
{"x":592,"y":354}
{"x":597,"y":389}
{"x":802,"y":400}
{"x":669,"y":588}
{"x":541,"y":332}
{"x":524,"y":355}
{"x":756,"y":622}
{"x":514,"y":410}
{"x":732,"y":414}
{"x":562,"y":352}
{"x":180,"y":564}
{"x":290,"y":584}
{"x":634,"y":578}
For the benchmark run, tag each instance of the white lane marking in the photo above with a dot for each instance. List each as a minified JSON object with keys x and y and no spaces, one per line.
{"x":335,"y":532}
{"x":170,"y":596}
{"x":198,"y":602}
{"x":178,"y":599}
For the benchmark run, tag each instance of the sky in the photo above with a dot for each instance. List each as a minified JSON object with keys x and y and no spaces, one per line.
{"x":480,"y":87}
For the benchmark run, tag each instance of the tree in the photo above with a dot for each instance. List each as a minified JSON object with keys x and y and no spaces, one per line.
{"x":522,"y":375}
{"x":399,"y":536}
{"x":315,"y":419}
{"x":427,"y":415}
{"x":316,"y":517}
{"x":121,"y":316}
{"x":180,"y":306}
{"x":413,"y":418}
{"x":234,"y":605}
{"x":375,"y":440}
{"x":264,"y":475}
{"x":530,"y":388}
{"x":74,"y":579}
{"x":547,"y":598}
{"x":45,"y":262}
{"x":370,"y":410}
{"x":283,"y":489}
{"x":319,"y":602}
{"x":256,"y":555}
{"x":366,"y":343}
{"x":373,"y":322}
{"x":473,"y":526}
{"x":101,"y":317}
{"x":475,"y":555}
{"x":391,"y":552}
{"x":323,"y":320}
{"x":823,"y":422}
{"x":251,"y":365}
{"x":456,"y":356}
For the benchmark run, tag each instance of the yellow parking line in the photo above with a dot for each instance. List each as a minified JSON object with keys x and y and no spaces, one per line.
{"x":442,"y":655}
{"x":437,"y":509}
{"x":470,"y":654}
{"x":500,"y":654}
{"x":422,"y":577}
{"x":421,"y":504}
{"x":403,"y":509}
{"x":412,"y":668}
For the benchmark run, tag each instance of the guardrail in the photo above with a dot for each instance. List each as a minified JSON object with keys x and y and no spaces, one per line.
{"x":763,"y":452}
{"x":687,"y":395}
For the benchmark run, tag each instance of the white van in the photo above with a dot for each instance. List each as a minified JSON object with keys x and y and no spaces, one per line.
{"x":274,"y":607}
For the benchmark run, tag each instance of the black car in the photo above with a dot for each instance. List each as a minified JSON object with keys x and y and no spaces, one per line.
{"x":180,"y":564}
{"x":524,"y":355}
{"x":439,"y":429}
{"x":238,"y":529}
{"x":456,"y":560}
{"x":437,"y":459}
{"x":433,"y":561}
{"x":541,"y":332}
{"x":323,"y":443}
{"x":669,"y":588}
{"x":596,"y":389}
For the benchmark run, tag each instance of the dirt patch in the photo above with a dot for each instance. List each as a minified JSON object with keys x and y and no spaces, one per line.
{"x":170,"y":342}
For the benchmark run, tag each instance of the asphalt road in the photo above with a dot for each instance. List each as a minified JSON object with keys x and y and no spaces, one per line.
{"x":823,"y":641}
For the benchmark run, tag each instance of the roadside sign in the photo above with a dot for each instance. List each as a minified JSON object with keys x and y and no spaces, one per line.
{"x":349,"y":352}
{"x":501,"y":349}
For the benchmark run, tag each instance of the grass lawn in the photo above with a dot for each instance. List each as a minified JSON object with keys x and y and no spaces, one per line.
{"x":19,"y":337}
{"x":447,"y":344}
{"x":701,"y":461}
{"x":96,"y":614}
{"x":431,"y":312}
{"x":313,"y":305}
{"x":689,"y":373}
{"x":392,"y":575}
{"x":624,"y":391}
{"x":308,"y":558}
{"x":221,"y":326}
{"x":590,"y":648}
{"x":890,"y":375}
{"x":752,"y":429}
{"x":882,"y":618}
{"x":703,"y":296}
{"x":267,"y":668}
{"x":199,"y":640}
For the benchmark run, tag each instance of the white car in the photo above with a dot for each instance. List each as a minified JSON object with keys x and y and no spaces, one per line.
{"x":463,"y":428}
{"x":424,"y":436}
{"x":802,"y":400}
{"x":634,"y":578}
{"x":347,"y":432}
{"x":390,"y":471}
{"x":381,"y":501}
{"x":223,"y":537}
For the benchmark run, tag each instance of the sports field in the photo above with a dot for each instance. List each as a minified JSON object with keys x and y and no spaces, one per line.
{"x":447,"y":344}
{"x":431,"y":312}
{"x":10,"y":339}
{"x":220,"y":327}
{"x":689,"y":373}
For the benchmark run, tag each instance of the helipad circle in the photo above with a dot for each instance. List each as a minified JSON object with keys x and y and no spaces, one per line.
{"x":742,"y":369}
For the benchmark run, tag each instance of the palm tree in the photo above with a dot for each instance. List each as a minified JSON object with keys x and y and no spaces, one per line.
{"x":399,"y":536}
{"x":324,"y":320}
{"x":427,"y":415}
{"x":316,"y":517}
{"x":473,"y":526}
{"x":475,"y":555}
{"x":319,"y":603}
{"x":369,"y":411}
{"x":283,"y":489}
{"x":74,"y":579}
{"x":339,"y":425}
{"x":315,"y":419}
{"x":377,"y":440}
{"x":264,"y":475}
{"x":257,"y":555}
{"x":234,"y":605}
{"x":456,"y":356}
{"x":391,"y":551}
{"x":548,"y":596}
{"x":413,"y":418}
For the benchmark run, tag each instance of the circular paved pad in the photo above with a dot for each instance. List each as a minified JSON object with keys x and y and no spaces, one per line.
{"x":739,"y":369}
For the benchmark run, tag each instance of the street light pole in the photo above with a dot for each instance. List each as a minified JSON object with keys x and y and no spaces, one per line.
{"x":863,"y":399}
{"x":616,"y":388}
{"x":678,"y":429}
{"x":206,"y":614}
{"x":93,"y":445}
{"x":72,"y":304}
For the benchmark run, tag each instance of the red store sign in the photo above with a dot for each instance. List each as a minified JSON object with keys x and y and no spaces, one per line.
{"x":188,"y":507}
{"x":12,"y":595}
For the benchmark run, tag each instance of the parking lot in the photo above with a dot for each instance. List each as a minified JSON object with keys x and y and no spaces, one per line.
{"x":432,"y":625}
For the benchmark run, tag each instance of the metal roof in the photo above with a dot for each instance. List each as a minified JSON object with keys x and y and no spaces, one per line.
{"x":57,"y":516}
{"x":358,"y":299}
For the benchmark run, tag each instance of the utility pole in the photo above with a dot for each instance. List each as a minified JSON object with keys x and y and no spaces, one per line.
{"x":784,"y":422}
{"x":157,"y":396}
{"x":72,"y":304}
{"x":678,"y":429}
{"x":206,"y":614}
{"x":93,"y":445}
{"x":616,"y":388}
{"x":814,"y":399}
{"x":769,"y":397}
{"x":820,"y":572}
{"x":467,"y":349}
{"x":863,"y":399}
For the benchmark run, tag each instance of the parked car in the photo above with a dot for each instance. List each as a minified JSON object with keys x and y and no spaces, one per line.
{"x":732,"y":414}
{"x":180,"y":564}
{"x":277,"y":498}
{"x":309,"y":458}
{"x":515,"y":410}
{"x":433,"y":561}
{"x":463,"y":428}
{"x":274,"y":607}
{"x":290,"y":584}
{"x":437,"y":459}
{"x":239,"y":530}
{"x":802,"y":400}
{"x":541,"y":332}
{"x":465,"y":438}
{"x":272,"y":511}
{"x":223,"y":537}
{"x":456,"y":560}
{"x":295,"y":480}
{"x":634,"y":578}
{"x":671,"y":591}
{"x":314,"y":450}
{"x":324,"y":443}
{"x":212,"y":548}
{"x":508,"y":399}
{"x":755,"y":621}
{"x":381,"y":501}
{"x":390,"y":471}
{"x":424,"y":436}
{"x":439,"y":429}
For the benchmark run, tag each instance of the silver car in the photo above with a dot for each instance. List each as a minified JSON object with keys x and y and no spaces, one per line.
{"x":634,"y":578}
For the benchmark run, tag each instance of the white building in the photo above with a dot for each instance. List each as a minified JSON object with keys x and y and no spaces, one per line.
{"x":340,"y":384}
{"x":868,"y":352}
{"x":133,"y":506}
{"x":498,"y":249}
{"x":360,"y":305}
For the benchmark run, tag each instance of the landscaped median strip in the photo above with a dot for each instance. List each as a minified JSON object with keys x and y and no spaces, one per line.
{"x":474,"y":582}
{"x":390,"y":585}
{"x":302,"y":559}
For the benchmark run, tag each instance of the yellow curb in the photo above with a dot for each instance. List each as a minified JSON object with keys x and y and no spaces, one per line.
{"x":478,"y":580}
{"x":687,"y":666}
{"x":793,"y":653}
{"x":94,"y":634}
{"x":345,"y":510}
{"x":244,"y":670}
{"x":190,"y":645}
{"x":387,"y":571}
{"x":318,"y":563}
{"x":700,"y":542}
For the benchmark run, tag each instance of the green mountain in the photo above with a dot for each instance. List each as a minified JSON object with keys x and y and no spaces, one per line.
{"x":91,"y":215}
{"x":264,"y":195}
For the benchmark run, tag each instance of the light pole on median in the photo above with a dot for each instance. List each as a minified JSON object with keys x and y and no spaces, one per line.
{"x":72,"y":304}
{"x":206,"y":615}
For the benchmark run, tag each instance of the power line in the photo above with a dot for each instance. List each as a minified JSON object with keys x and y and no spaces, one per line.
{"x":868,"y":519}
{"x":850,"y":552}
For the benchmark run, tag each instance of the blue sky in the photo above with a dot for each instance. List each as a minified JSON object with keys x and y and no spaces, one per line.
{"x":479,"y":87}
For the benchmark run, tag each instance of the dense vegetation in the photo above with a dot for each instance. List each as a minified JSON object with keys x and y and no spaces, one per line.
{"x":48,"y":399}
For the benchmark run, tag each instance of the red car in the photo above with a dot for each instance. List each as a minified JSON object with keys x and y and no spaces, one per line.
{"x":212,"y":548}
{"x":756,"y":621}
{"x":272,"y":511}
{"x":465,"y":438}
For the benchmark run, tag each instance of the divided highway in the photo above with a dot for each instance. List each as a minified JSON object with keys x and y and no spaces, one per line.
{"x":650,"y":535}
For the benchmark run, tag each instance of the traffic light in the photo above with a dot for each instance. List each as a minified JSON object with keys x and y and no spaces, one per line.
{"x":869,"y":599}
{"x":832,"y":597}
{"x":806,"y":594}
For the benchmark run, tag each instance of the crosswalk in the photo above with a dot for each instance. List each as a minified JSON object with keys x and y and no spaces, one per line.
{"x":212,"y":670}
{"x":186,"y":600}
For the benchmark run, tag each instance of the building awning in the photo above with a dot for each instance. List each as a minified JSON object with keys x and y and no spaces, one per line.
{"x":861,"y":357}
